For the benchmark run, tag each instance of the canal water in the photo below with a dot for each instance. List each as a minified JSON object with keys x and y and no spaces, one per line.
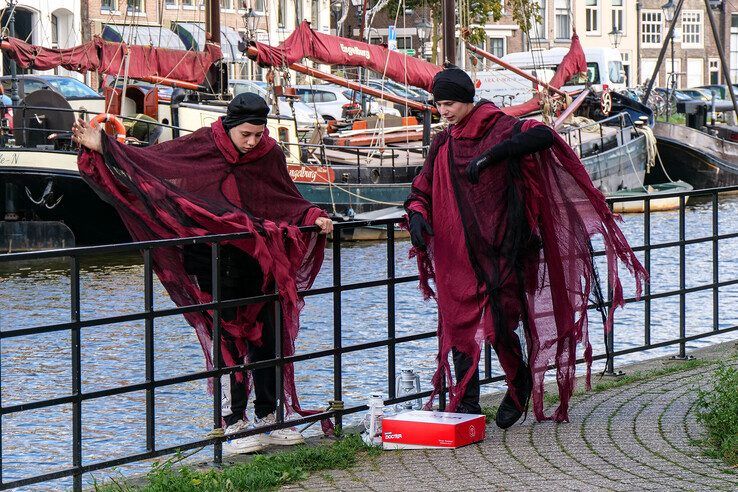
{"x":39,"y":367}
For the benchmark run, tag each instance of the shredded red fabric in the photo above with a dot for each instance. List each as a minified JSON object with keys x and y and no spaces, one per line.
{"x":513,"y":249}
{"x":109,"y":58}
{"x":199,"y":185}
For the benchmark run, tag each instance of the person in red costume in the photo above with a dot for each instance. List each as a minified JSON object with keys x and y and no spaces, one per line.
{"x":227,"y":178}
{"x":500,"y":218}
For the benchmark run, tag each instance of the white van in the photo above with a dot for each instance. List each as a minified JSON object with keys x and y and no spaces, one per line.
{"x":604,"y":67}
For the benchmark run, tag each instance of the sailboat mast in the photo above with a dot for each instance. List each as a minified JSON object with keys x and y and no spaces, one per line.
{"x":212,"y":21}
{"x":14,"y":97}
{"x":449,"y":31}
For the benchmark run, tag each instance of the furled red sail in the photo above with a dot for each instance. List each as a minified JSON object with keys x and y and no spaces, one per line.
{"x":334,"y":50}
{"x":109,"y":58}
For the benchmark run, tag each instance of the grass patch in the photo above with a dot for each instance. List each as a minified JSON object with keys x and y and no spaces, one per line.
{"x":718,"y":412}
{"x":263,"y":472}
{"x":551,"y":399}
{"x":490,"y":413}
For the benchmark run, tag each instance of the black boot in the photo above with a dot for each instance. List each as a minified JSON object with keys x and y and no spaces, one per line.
{"x":508,"y":413}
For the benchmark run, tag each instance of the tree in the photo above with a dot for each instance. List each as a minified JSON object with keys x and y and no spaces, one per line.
{"x":471,"y":14}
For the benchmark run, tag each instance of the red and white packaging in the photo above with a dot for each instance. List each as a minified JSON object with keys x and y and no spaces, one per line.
{"x":417,"y":429}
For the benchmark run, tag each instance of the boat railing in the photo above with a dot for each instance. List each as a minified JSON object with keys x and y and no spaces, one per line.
{"x":387,"y":278}
{"x":622,"y":121}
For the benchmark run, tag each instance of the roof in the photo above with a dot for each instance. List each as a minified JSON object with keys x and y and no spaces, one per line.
{"x":142,"y":35}
{"x":192,"y":36}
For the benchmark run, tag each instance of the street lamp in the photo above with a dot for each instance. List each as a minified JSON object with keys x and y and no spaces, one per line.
{"x":359,"y":4}
{"x":669,"y":10}
{"x":424,"y":29}
{"x":616,"y":35}
{"x":252,"y":21}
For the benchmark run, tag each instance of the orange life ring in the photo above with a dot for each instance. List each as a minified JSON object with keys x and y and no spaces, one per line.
{"x":113,"y":125}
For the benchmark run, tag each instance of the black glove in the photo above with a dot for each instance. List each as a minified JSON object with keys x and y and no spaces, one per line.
{"x":418,"y":226}
{"x":476,"y":165}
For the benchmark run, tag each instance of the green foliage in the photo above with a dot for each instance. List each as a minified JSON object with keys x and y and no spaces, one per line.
{"x":490,"y":413}
{"x":263,"y":472}
{"x":718,"y":412}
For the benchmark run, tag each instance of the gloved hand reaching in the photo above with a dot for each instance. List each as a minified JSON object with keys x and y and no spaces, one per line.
{"x":419,"y":226}
{"x":477,"y":165}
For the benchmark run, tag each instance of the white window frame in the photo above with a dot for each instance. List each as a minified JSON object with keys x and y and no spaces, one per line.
{"x":623,"y":12}
{"x":140,"y":13}
{"x":171,"y":6}
{"x":713,"y":66}
{"x":504,"y":44}
{"x":113,"y":10}
{"x":538,"y":36}
{"x":690,"y":22}
{"x":594,"y":12}
{"x":562,"y":11}
{"x":659,"y":23}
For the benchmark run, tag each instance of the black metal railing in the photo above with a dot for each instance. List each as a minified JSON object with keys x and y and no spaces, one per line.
{"x":149,"y":315}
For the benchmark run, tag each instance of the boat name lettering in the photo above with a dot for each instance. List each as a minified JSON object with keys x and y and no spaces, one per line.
{"x":355,"y":50}
{"x":310,"y":174}
{"x":13,"y":161}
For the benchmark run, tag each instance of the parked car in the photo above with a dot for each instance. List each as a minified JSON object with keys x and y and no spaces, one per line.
{"x":699,"y":94}
{"x":68,"y":87}
{"x":721,"y":90}
{"x":331,"y":101}
{"x":304,"y":114}
{"x":679,"y":96}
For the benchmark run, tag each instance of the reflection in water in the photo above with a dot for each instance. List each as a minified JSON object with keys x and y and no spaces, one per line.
{"x":38,"y":367}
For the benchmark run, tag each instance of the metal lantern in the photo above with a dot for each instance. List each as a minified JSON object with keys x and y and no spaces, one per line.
{"x":408,"y":383}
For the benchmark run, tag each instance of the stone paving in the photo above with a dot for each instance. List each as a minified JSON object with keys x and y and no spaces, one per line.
{"x":634,"y":437}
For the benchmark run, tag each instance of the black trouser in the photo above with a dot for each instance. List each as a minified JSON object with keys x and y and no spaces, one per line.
{"x":241,"y":277}
{"x":265,"y":379}
{"x":470,"y":401}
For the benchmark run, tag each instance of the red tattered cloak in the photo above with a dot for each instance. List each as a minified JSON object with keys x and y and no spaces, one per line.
{"x":199,"y":185}
{"x":488,"y":272}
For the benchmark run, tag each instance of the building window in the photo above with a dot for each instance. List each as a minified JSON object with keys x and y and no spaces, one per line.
{"x":651,"y":28}
{"x":592,"y":16}
{"x":187,"y":3}
{"x":136,"y":6}
{"x":733,"y":62}
{"x":714,"y":68}
{"x":281,"y":11}
{"x":562,"y":20}
{"x":109,"y":5}
{"x":404,"y":42}
{"x":259,"y":6}
{"x":538,"y":29}
{"x":692,"y":28}
{"x":497,"y":47}
{"x":226,"y":4}
{"x":618,"y":16}
{"x":170,"y":4}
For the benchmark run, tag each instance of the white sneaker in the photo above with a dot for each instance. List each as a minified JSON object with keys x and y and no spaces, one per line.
{"x":241,"y":445}
{"x":281,"y":437}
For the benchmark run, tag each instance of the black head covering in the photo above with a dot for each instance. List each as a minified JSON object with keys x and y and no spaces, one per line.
{"x":246,"y":108}
{"x":453,"y":84}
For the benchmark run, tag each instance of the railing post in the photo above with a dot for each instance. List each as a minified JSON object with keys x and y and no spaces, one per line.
{"x":682,"y":355}
{"x":647,"y":266}
{"x":76,"y":373}
{"x":391,"y":366}
{"x":337,"y":336}
{"x":278,"y":352}
{"x":610,"y":335}
{"x":149,"y":349}
{"x":217,"y":389}
{"x":715,"y":263}
{"x":487,"y":360}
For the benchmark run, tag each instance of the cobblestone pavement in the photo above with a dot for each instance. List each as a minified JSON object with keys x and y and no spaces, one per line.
{"x":635,"y":437}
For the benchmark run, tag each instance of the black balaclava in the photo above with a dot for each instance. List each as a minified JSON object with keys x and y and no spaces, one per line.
{"x":453,"y":84}
{"x":246,"y":108}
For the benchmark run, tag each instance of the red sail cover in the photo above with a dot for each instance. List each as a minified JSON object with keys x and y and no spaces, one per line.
{"x":334,"y":50}
{"x":108,"y":58}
